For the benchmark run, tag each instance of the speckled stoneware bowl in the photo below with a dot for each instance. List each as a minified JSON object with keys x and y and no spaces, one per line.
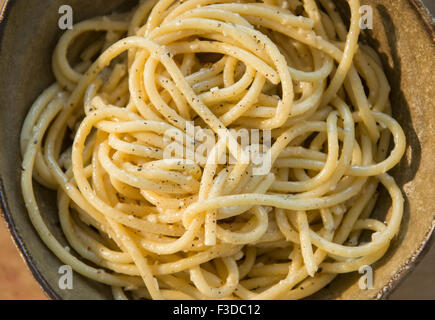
{"x":404,"y":35}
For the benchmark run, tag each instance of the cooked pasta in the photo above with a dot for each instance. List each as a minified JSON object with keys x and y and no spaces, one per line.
{"x":157,"y":224}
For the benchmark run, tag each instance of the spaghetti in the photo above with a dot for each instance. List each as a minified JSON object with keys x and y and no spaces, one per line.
{"x":155,"y":227}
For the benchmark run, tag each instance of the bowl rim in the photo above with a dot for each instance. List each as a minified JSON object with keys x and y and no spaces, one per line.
{"x":398,"y":277}
{"x":4,"y":208}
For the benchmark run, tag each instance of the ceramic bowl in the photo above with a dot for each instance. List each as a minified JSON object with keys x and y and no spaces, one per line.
{"x":403,"y":33}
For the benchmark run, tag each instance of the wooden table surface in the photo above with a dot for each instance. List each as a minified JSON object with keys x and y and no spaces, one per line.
{"x":16,"y":281}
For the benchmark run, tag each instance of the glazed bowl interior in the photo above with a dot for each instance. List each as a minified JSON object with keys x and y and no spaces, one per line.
{"x":403,"y":33}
